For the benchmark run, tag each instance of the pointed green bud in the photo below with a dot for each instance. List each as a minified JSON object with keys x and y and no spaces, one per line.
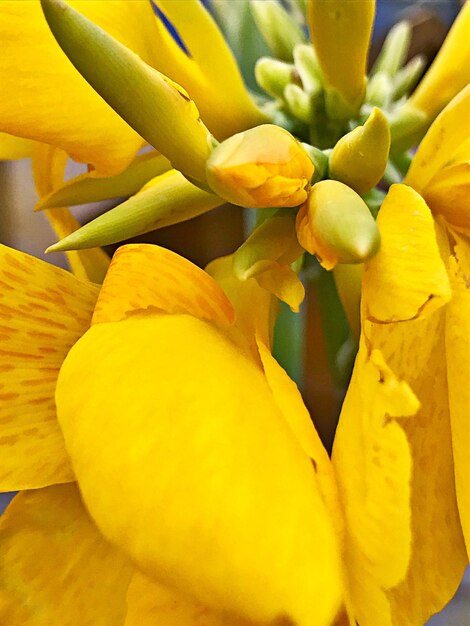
{"x":306,"y":64}
{"x":359,"y":158}
{"x":394,"y":50}
{"x":407,"y":126}
{"x":407,"y":78}
{"x":277,"y":28}
{"x":273,"y":240}
{"x":156,"y":107}
{"x":299,"y":103}
{"x":262,"y":167}
{"x":166,"y":200}
{"x":335,"y":225}
{"x":88,"y":188}
{"x":379,"y":90}
{"x":273,"y":76}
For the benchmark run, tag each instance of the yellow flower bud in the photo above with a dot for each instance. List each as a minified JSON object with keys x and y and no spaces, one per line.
{"x":360,"y":157}
{"x":261,"y":167}
{"x":336,"y":225}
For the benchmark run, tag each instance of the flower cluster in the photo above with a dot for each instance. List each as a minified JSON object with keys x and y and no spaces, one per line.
{"x":169,"y":471}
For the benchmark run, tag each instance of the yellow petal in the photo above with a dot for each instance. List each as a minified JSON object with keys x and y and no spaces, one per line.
{"x":223,"y":509}
{"x":447,"y":195}
{"x":450,"y":129}
{"x":450,"y":70}
{"x":56,"y":568}
{"x":287,"y":397}
{"x":373,"y":465}
{"x":46,"y":99}
{"x":407,"y":279}
{"x":155,"y":605}
{"x":145,"y":277}
{"x":283,"y":282}
{"x":14,"y":147}
{"x":48,"y":170}
{"x":340,"y":33}
{"x":255,"y":307}
{"x":267,"y":255}
{"x":458,"y":373}
{"x":210,"y":73}
{"x":43,"y":311}
{"x":415,"y":351}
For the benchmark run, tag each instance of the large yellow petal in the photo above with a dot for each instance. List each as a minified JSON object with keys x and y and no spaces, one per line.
{"x":450,"y":70}
{"x":373,"y":467}
{"x":46,"y":99}
{"x":145,"y":277}
{"x":48,"y":170}
{"x":407,"y":278}
{"x":209,"y":73}
{"x":450,"y":129}
{"x":43,"y":311}
{"x":171,"y":422}
{"x":15,"y":147}
{"x":458,"y":375}
{"x":415,"y":352}
{"x":155,"y":605}
{"x":56,"y":568}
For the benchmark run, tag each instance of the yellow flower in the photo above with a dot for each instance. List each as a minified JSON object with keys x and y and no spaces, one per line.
{"x":415,"y":311}
{"x":262,"y":167}
{"x":164,"y":406}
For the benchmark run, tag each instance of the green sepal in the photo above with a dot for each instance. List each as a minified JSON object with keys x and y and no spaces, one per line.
{"x":168,"y":200}
{"x":158,"y":109}
{"x":273,"y":76}
{"x":87,"y":188}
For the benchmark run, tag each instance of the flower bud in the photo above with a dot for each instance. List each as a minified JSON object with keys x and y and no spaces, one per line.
{"x":360,"y":157}
{"x":336,"y":225}
{"x":261,"y":167}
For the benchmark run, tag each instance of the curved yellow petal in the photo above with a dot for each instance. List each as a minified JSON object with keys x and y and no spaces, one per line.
{"x":46,"y":99}
{"x":145,"y":277}
{"x":48,"y":170}
{"x":407,"y":279}
{"x":255,"y":308}
{"x":223,"y":509}
{"x":287,"y":397}
{"x":447,"y":195}
{"x":450,"y":70}
{"x":56,"y":568}
{"x":372,"y":462}
{"x":210,"y":74}
{"x":458,"y":373}
{"x":340,"y":33}
{"x":12,"y":147}
{"x":267,"y":255}
{"x":415,"y":351}
{"x":43,"y":311}
{"x":153,"y":604}
{"x":450,"y":129}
